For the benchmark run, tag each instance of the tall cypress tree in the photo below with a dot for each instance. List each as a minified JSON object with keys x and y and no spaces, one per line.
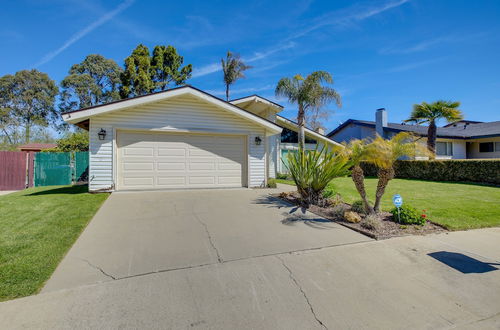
{"x":136,"y":78}
{"x":166,"y":68}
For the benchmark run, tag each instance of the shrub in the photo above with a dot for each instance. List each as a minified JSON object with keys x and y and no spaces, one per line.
{"x":371,"y":221}
{"x":78,"y":141}
{"x":312,"y":171}
{"x":271,"y":183}
{"x":408,"y":216}
{"x":338,"y":210}
{"x":282,"y":176}
{"x":358,"y":206}
{"x":352,"y":217}
{"x":466,"y":170}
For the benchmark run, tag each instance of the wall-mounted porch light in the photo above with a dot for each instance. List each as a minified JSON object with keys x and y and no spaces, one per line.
{"x":102,"y":134}
{"x":258,"y":140}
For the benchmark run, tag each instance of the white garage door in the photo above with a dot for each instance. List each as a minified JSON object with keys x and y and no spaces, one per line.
{"x":164,"y":160}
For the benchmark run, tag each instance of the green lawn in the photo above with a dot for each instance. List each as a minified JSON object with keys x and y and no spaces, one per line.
{"x":37,"y":227}
{"x":453,"y":205}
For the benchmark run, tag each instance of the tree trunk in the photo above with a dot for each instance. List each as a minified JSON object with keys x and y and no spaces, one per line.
{"x":384,"y":176}
{"x":431,"y":139}
{"x":227,"y":92}
{"x":7,"y":135}
{"x":27,"y":131}
{"x":301,"y":133}
{"x":358,"y":178}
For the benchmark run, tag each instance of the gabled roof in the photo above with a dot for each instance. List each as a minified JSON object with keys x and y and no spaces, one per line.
{"x":470,"y":131}
{"x":309,"y":132}
{"x":256,"y":98}
{"x":80,"y":115}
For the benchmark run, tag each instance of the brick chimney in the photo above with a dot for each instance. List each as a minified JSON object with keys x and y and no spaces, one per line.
{"x":380,"y":121}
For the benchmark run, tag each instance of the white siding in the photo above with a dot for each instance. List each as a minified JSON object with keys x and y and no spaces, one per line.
{"x":272,"y":150}
{"x":257,"y":161}
{"x":101,"y":157}
{"x":179,"y":114}
{"x":272,"y":147}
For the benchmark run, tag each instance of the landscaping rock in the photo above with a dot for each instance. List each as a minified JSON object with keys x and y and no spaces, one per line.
{"x":352,"y":217}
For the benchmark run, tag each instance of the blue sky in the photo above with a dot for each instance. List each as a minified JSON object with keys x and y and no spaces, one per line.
{"x":390,"y":53}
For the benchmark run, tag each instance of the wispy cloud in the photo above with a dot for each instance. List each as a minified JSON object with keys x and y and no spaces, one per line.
{"x":262,"y":55}
{"x":421,"y":46}
{"x":429,"y":43}
{"x":215,"y":67}
{"x":346,"y":17}
{"x":415,"y":65}
{"x":11,"y":34}
{"x":82,"y":33}
{"x":335,"y":18}
{"x":207,"y":69}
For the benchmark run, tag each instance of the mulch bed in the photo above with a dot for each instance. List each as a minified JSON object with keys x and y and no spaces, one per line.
{"x":387,"y":227}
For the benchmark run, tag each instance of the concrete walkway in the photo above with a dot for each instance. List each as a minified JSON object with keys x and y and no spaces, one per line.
{"x":253,"y":266}
{"x":6,"y":192}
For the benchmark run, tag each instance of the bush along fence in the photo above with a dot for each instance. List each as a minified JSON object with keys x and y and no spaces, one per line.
{"x":19,"y":169}
{"x":480,"y":171}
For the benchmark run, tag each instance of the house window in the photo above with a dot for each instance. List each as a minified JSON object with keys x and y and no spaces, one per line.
{"x":486,"y":147}
{"x":444,"y":148}
{"x":497,"y":146}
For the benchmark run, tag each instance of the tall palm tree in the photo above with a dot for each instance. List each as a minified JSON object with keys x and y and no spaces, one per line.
{"x":383,"y":153}
{"x":309,"y":94}
{"x":432,"y":112}
{"x":233,"y":68}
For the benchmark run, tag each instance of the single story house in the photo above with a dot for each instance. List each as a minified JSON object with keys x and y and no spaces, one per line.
{"x":463,"y":139}
{"x":36,"y":147}
{"x":184,"y":138}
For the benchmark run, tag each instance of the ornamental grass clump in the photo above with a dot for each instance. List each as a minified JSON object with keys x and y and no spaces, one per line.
{"x":313,"y":170}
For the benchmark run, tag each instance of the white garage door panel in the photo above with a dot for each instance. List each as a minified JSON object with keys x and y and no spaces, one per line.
{"x":159,"y":161}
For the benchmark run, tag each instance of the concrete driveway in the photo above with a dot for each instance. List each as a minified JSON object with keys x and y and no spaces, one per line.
{"x":235,"y":259}
{"x":146,"y":232}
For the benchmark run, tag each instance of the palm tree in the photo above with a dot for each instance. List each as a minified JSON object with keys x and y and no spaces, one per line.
{"x":233,"y":68}
{"x":312,"y":171}
{"x":309,"y":94}
{"x":356,"y":150}
{"x":383,"y":153}
{"x":432,"y":112}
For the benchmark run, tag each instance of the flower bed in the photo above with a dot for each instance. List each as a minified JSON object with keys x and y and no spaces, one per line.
{"x":385,"y":227}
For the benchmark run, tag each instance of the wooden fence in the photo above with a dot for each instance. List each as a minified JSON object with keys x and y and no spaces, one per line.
{"x":13,"y":170}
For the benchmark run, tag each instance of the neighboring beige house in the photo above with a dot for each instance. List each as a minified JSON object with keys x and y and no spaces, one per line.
{"x":184,"y":138}
{"x":460,"y":140}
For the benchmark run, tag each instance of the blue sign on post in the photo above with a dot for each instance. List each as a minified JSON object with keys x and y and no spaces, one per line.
{"x":397,"y":200}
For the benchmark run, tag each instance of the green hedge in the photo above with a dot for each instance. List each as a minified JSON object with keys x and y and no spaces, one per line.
{"x":470,"y":170}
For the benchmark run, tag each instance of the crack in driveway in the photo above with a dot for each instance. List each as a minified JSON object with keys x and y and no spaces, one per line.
{"x":294,"y":280}
{"x":99,"y":269}
{"x":219,"y":258}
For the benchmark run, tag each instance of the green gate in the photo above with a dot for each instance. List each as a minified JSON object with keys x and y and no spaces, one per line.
{"x":81,"y":166}
{"x":60,"y":168}
{"x":52,"y":168}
